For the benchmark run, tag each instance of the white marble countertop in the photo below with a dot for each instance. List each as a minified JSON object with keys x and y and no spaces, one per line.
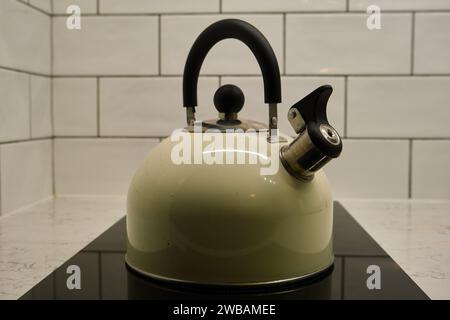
{"x":415,"y":233}
{"x":38,"y":239}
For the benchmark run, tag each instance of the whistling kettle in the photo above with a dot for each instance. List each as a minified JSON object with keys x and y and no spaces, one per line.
{"x":233,"y":202}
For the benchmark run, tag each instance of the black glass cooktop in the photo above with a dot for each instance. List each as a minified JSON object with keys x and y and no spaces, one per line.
{"x":362,"y":270}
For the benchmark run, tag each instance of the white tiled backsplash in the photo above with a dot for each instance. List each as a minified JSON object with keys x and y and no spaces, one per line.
{"x":26,"y":166}
{"x":98,"y":165}
{"x":341,"y":44}
{"x":79,"y":109}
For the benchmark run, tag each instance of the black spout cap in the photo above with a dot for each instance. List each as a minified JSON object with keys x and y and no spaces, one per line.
{"x":312,"y":109}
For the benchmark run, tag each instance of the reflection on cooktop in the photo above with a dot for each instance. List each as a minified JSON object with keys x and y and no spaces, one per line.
{"x":105,"y":276}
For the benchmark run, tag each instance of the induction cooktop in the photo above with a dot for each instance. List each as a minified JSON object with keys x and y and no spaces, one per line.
{"x":362,"y":270}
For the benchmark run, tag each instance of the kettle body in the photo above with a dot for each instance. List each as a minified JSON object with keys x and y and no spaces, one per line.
{"x":226,"y":224}
{"x":217,"y":204}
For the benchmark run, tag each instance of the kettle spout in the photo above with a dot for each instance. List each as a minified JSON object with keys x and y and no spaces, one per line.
{"x":317,"y":141}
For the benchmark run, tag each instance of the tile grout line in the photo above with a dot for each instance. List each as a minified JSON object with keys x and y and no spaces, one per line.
{"x":157,"y":137}
{"x":29,"y":140}
{"x":347,"y":6}
{"x":159,"y":45}
{"x":34,"y":8}
{"x":52,"y":119}
{"x":98,"y":105}
{"x":95,"y":137}
{"x":250,"y":13}
{"x":52,"y":104}
{"x":24,"y":71}
{"x":299,"y":75}
{"x":401,"y":138}
{"x":345,"y":105}
{"x":97,"y":9}
{"x":30,"y":109}
{"x":284,"y":43}
{"x":53,"y":156}
{"x":413,"y":31}
{"x":52,"y":47}
{"x":220,"y":6}
{"x":51,"y":76}
{"x":410,"y":163}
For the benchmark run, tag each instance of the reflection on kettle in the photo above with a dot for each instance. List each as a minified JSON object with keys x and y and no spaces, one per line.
{"x":227,"y":224}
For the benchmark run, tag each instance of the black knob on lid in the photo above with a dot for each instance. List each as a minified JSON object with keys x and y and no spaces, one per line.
{"x":229,"y":99}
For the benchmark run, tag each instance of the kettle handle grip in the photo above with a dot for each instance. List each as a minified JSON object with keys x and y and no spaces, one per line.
{"x":255,"y":41}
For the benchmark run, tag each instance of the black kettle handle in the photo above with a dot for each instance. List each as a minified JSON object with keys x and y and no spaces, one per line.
{"x":248,"y":34}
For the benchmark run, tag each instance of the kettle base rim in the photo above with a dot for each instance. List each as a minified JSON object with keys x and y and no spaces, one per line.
{"x":305,"y":278}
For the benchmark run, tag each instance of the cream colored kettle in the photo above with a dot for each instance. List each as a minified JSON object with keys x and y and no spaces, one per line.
{"x":234,"y":202}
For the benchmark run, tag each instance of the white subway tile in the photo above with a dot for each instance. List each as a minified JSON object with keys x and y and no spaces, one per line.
{"x":282,"y":5}
{"x":86,"y":6}
{"x":398,"y":107}
{"x":370,"y":169}
{"x":157,"y":6}
{"x":106,"y":46}
{"x":41,"y":112}
{"x":75,"y":106}
{"x":432,"y":43}
{"x":149,"y":106}
{"x":361,"y":5}
{"x":430,"y":169}
{"x":14,"y":106}
{"x":26,"y":173}
{"x":342,"y":44}
{"x":226,"y":57}
{"x":293,"y":89}
{"x":44,"y":5}
{"x":24,"y":37}
{"x":98,"y":166}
